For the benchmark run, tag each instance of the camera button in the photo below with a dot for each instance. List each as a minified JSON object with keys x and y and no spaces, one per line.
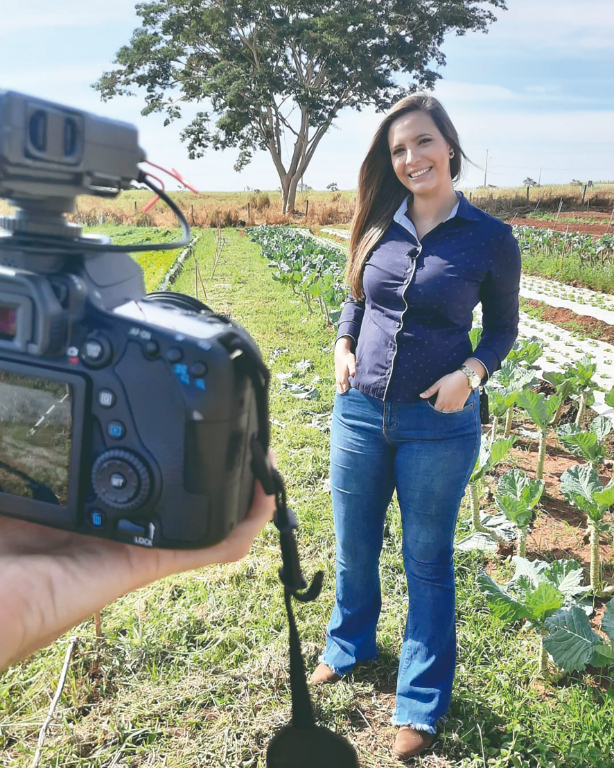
{"x":96,"y":352}
{"x":93,"y":350}
{"x":118,"y":480}
{"x":116,"y":430}
{"x":174,"y":355}
{"x":151,"y":349}
{"x":106,"y":398}
{"x":128,"y":528}
{"x":97,"y":518}
{"x":198,"y":369}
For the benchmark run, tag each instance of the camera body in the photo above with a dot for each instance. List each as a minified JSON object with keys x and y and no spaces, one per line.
{"x":123,"y":416}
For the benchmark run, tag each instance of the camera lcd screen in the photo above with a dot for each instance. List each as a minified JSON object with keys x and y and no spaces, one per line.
{"x":8,"y":322}
{"x":35,"y":437}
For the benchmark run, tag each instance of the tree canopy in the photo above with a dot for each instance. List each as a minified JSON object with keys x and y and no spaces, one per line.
{"x":257,"y":62}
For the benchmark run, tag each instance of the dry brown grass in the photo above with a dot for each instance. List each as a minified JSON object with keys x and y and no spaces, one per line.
{"x":313,"y":208}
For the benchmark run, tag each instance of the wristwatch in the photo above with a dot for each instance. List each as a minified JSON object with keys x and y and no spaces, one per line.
{"x":474,"y":379}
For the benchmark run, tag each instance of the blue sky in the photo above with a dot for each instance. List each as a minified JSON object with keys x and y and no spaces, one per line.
{"x":535,"y":91}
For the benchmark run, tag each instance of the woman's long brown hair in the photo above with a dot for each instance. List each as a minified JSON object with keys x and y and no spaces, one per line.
{"x":380,"y":192}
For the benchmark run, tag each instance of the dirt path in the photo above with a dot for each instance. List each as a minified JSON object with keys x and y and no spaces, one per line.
{"x":561,"y":226}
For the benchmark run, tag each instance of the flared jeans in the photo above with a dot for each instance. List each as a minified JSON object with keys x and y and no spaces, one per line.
{"x":428,"y":456}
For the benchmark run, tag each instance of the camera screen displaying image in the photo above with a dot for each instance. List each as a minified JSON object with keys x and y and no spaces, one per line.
{"x":35,"y":436}
{"x":8,"y":322}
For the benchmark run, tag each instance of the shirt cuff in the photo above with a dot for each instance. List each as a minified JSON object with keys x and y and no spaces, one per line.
{"x":485,"y":379}
{"x":348,"y":328}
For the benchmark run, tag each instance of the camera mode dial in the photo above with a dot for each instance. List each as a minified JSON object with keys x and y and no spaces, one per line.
{"x":121,"y":479}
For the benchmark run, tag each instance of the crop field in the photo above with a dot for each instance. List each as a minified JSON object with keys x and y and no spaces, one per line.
{"x":193,"y":670}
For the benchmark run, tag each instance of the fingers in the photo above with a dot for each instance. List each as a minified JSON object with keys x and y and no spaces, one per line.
{"x":234,"y":547}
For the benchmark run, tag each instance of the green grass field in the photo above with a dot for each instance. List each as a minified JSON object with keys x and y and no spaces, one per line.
{"x":192,"y":671}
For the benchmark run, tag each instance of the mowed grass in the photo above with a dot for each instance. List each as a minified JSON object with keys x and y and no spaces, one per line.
{"x":192,"y":670}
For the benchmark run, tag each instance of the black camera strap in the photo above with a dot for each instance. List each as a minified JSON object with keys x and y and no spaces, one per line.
{"x":301,"y":744}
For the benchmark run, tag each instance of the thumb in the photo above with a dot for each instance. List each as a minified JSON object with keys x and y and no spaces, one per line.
{"x":431,"y":390}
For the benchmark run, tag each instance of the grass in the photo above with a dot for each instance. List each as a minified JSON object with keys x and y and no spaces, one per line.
{"x":192,"y":670}
{"x":550,"y":216}
{"x":569,"y":270}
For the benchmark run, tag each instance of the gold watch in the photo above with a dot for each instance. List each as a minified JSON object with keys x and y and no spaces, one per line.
{"x":474,"y":379}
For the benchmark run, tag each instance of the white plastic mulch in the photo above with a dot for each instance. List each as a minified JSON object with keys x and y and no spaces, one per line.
{"x":561,"y":346}
{"x":582,"y":301}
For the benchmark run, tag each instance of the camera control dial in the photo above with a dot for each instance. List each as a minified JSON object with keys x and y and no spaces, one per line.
{"x":121,"y":479}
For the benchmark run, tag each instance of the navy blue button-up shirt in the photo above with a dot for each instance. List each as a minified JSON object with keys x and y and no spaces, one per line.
{"x":413,"y":325}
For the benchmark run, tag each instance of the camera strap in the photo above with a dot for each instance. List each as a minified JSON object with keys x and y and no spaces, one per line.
{"x":301,"y":744}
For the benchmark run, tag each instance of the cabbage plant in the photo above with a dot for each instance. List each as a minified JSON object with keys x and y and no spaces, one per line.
{"x":580,"y":485}
{"x":565,"y":384}
{"x":516,"y":497}
{"x":512,"y":376}
{"x":535,"y":593}
{"x":586,"y":442}
{"x":526,"y":351}
{"x":540,"y":410}
{"x":490,"y":455}
{"x":500,"y":402}
{"x":572,"y":642}
{"x":583,"y":371}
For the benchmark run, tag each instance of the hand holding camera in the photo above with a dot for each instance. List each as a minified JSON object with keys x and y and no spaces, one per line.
{"x":54,"y":579}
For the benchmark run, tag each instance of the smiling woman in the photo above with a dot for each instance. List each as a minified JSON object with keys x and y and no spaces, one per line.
{"x":406,"y":413}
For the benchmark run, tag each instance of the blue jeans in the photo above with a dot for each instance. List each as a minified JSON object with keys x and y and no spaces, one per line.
{"x":428,"y":456}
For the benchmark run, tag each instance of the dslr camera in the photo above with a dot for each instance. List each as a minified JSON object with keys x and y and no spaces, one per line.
{"x":134,"y":417}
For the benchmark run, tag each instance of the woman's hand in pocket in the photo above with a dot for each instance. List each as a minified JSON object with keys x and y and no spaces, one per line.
{"x":345,"y":363}
{"x":453,"y":392}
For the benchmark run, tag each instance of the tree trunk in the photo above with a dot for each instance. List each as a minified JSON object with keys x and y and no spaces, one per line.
{"x":288,"y":193}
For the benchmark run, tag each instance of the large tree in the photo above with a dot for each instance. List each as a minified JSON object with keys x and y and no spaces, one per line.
{"x":255,"y":62}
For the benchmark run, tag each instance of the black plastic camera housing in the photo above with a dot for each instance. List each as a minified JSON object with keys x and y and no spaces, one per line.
{"x":124,"y":416}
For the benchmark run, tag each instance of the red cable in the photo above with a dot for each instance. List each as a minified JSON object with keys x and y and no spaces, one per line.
{"x":174,"y":174}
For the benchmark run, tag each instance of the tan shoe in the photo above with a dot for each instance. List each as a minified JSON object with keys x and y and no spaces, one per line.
{"x":323,"y":674}
{"x":410,"y":742}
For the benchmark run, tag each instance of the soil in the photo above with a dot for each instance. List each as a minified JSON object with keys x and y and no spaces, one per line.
{"x":564,"y":318}
{"x":597,"y":230}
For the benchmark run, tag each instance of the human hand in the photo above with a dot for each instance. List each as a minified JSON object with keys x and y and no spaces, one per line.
{"x":54,"y":579}
{"x":345,"y":363}
{"x":454,"y":391}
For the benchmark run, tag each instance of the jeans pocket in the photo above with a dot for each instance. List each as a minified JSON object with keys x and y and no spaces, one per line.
{"x":469,"y":405}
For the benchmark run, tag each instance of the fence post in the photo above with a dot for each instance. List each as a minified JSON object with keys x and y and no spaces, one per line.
{"x":470,"y":196}
{"x":135,"y":207}
{"x":584,"y":193}
{"x":306,"y":208}
{"x":192,"y":214}
{"x":249,"y":215}
{"x":528,"y":191}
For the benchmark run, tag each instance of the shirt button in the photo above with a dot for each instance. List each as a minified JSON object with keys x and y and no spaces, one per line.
{"x":398,"y":325}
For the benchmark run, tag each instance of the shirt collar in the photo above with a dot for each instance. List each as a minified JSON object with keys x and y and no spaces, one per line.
{"x":463,"y":209}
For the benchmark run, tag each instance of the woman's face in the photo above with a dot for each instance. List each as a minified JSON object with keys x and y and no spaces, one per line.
{"x":416,"y":145}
